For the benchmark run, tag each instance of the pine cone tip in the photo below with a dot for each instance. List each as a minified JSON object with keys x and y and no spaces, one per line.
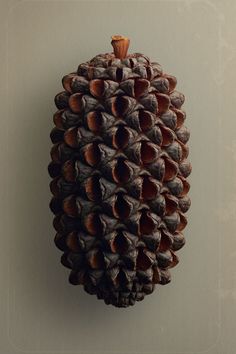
{"x":120,"y":45}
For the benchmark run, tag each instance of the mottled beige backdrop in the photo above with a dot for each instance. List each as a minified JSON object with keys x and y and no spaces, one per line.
{"x":40,"y":312}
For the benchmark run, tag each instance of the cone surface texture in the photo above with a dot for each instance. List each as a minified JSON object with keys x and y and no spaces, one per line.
{"x":119,"y":167}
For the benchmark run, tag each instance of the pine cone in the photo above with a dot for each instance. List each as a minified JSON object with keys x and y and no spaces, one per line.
{"x":119,"y":168}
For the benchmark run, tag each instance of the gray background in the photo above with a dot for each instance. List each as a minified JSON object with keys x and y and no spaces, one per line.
{"x":40,"y":312}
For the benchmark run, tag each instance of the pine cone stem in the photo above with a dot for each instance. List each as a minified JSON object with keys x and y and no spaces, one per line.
{"x":120,"y":45}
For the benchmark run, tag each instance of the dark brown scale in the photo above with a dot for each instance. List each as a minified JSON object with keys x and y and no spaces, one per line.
{"x":119,"y":164}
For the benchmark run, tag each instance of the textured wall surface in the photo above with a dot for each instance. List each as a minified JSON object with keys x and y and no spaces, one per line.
{"x":40,"y":41}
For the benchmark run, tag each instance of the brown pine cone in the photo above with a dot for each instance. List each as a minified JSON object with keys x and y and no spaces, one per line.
{"x":119,"y":168}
